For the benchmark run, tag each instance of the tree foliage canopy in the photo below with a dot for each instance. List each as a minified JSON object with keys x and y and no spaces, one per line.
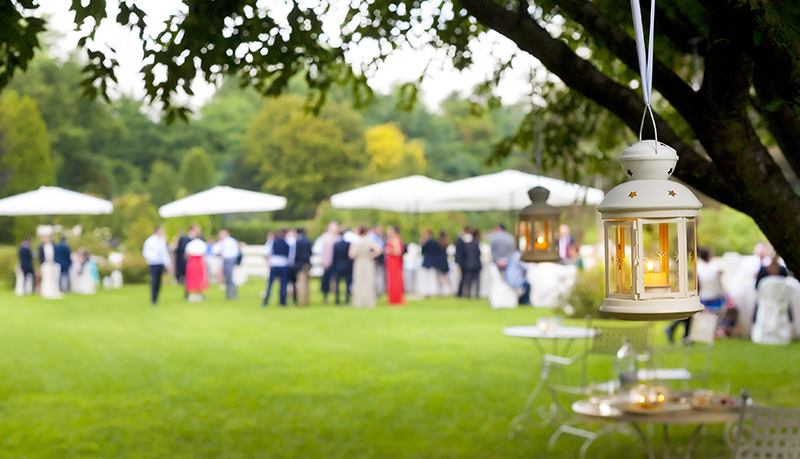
{"x":304,"y":157}
{"x":721,"y":119}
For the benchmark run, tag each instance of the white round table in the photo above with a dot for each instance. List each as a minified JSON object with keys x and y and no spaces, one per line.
{"x":609,"y":410}
{"x":557,"y":334}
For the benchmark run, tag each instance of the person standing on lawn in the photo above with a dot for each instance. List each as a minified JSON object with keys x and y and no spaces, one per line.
{"x":325,"y":244}
{"x":228,"y":249}
{"x":156,"y":254}
{"x":196,"y":275}
{"x":342,"y":267}
{"x":63,"y":257}
{"x":395,"y":289}
{"x":279,"y":262}
{"x":302,"y":266}
{"x":502,"y":245}
{"x":363,"y":252}
{"x":26,"y":265}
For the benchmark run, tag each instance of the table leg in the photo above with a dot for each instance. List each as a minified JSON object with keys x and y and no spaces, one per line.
{"x":520,"y":419}
{"x":692,"y":441}
{"x":665,"y":447}
{"x":645,"y":442}
{"x":547,"y":413}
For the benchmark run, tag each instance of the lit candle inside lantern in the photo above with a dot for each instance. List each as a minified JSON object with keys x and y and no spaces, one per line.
{"x":641,"y":399}
{"x":541,"y":243}
{"x":652,"y":279}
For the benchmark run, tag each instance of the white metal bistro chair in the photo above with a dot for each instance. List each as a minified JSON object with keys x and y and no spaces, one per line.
{"x":767,"y":433}
{"x":694,"y":356}
{"x":607,"y":341}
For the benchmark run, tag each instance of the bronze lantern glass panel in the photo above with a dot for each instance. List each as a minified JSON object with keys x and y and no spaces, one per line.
{"x":538,"y":228}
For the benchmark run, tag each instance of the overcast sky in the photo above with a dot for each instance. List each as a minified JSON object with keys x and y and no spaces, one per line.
{"x":403,"y":66}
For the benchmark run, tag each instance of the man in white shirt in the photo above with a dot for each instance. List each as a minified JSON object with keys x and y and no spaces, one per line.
{"x":156,"y":254}
{"x":228,"y":249}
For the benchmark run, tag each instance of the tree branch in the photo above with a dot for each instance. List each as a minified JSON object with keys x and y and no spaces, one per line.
{"x":584,"y":77}
{"x":761,"y":29}
{"x":670,"y":85}
{"x":673,"y":23}
{"x":731,"y":141}
{"x":783,"y":123}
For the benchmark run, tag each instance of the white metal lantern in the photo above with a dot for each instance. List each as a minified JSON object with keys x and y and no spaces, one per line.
{"x":650,"y":244}
{"x":537,"y":228}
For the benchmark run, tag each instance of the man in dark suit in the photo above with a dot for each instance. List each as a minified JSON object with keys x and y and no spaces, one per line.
{"x":63,"y":256}
{"x":302,"y":265}
{"x":180,"y":257}
{"x":26,"y":262}
{"x":342,"y":267}
{"x":460,"y":257}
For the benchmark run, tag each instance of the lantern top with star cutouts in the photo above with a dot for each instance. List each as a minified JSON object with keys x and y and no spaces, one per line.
{"x":649,"y":192}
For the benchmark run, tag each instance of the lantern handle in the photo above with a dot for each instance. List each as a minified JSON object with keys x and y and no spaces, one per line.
{"x":652,"y":117}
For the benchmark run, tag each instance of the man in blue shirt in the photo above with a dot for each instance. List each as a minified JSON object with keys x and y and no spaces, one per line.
{"x":228,"y":249}
{"x":156,"y":254}
{"x":515,"y":274}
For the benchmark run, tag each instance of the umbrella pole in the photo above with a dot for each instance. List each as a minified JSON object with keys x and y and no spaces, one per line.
{"x":511,"y":215}
{"x":416,"y":223}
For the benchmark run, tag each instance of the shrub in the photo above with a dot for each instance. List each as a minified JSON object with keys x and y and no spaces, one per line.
{"x":8,"y":259}
{"x":587,"y":296}
{"x":255,"y":231}
{"x":134,"y":270}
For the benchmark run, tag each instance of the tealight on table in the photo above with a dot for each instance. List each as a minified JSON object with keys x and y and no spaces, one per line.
{"x":608,"y":410}
{"x":556,"y":334}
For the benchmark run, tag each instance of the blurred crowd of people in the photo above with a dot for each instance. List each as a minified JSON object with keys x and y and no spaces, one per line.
{"x":357,"y":265}
{"x":60,"y":270}
{"x":737,"y":305}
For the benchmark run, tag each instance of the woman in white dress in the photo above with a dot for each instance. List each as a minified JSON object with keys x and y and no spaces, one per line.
{"x":363,"y":252}
{"x":48,"y":270}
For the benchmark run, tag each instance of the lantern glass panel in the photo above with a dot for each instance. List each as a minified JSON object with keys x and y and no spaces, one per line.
{"x":619,"y":252}
{"x":541,"y":236}
{"x":691,"y":255}
{"x":524,"y":235}
{"x":661,"y":257}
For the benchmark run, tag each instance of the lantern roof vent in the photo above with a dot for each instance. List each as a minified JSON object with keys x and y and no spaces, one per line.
{"x":648,"y":160}
{"x":539,"y":206}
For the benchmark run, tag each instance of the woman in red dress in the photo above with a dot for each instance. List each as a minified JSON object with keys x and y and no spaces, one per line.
{"x":394,"y":268}
{"x":196,"y":277}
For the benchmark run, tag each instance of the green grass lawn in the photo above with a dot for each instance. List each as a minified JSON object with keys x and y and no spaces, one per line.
{"x":110,"y":376}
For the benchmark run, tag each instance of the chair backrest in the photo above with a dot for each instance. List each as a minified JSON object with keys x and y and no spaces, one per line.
{"x":774,"y":290}
{"x":609,"y":338}
{"x":767,"y":433}
{"x":704,"y":327}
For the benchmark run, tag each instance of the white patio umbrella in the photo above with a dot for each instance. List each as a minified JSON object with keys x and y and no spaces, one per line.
{"x":508,"y":190}
{"x":52,"y":200}
{"x":222,"y":200}
{"x":407,"y":194}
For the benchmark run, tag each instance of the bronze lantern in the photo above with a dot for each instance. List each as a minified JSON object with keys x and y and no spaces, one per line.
{"x":537,"y":228}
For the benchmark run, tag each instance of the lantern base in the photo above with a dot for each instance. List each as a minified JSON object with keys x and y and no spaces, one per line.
{"x":540,"y":257}
{"x":651,"y":309}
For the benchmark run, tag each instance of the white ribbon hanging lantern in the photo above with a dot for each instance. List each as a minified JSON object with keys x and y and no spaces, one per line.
{"x":649,"y":222}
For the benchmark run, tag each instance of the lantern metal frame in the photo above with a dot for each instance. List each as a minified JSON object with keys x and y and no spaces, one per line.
{"x":650,"y":199}
{"x":547,"y":238}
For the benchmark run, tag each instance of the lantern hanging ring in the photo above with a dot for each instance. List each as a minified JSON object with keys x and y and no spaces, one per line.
{"x":652,"y":117}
